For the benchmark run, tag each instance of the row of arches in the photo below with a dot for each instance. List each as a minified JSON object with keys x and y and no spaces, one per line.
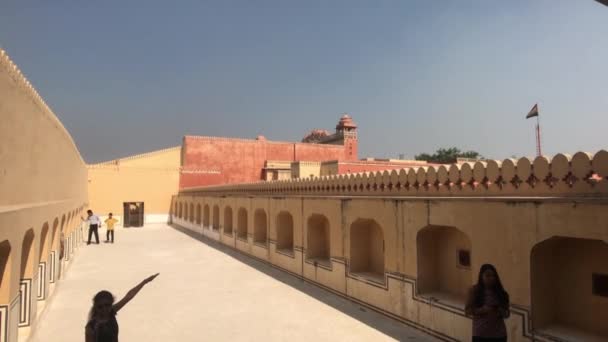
{"x":191,"y":213}
{"x":444,"y":262}
{"x":367,"y":247}
{"x":31,"y":264}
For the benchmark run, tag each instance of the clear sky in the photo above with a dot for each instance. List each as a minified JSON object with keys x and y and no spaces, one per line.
{"x":128,"y":77}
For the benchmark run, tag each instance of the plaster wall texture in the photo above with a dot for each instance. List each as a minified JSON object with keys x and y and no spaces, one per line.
{"x":151,"y":178}
{"x":498,"y":231}
{"x":43,"y":182}
{"x":240,"y":160}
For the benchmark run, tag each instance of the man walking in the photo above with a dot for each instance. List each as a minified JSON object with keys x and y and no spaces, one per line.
{"x":94,"y":222}
{"x":110,"y":222}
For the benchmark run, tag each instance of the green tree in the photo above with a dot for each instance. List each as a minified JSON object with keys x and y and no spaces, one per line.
{"x":447,"y":155}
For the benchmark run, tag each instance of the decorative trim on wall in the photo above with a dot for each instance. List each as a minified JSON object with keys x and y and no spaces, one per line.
{"x":315,"y":263}
{"x":66,"y":253}
{"x":3,"y":323}
{"x":52,"y":265}
{"x":562,"y":176}
{"x":261,"y":245}
{"x":72,"y":240}
{"x":16,"y":300}
{"x":42,"y":281}
{"x":25,"y":290}
{"x":285,"y":253}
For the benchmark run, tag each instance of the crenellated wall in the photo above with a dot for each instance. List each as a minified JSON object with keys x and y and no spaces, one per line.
{"x":563,"y":175}
{"x":409,"y":243}
{"x":43,"y":190}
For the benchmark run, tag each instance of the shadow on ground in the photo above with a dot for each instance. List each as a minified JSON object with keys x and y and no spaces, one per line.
{"x":387,"y":325}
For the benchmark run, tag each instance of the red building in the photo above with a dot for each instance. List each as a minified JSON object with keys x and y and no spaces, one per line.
{"x":243,"y":160}
{"x":215,"y":160}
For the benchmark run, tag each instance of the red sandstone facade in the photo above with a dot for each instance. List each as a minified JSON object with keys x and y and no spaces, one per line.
{"x":242,"y":160}
{"x":214,"y":160}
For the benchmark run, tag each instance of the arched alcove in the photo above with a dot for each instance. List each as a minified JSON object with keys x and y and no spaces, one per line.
{"x":318,"y":239}
{"x":260,"y":227}
{"x":5,"y":272}
{"x":444,"y":263}
{"x":228,"y":220}
{"x":199,"y":218}
{"x":241,"y":223}
{"x":367,"y":249}
{"x":285,"y":232}
{"x":27,"y":264}
{"x":44,"y":246}
{"x":206,"y":214}
{"x":216,"y":218}
{"x":569,"y":280}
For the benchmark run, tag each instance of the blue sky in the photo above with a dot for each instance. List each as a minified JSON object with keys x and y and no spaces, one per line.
{"x":128,"y":77}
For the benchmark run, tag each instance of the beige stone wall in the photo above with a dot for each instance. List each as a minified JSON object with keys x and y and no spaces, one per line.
{"x":329,"y":168}
{"x":305,"y":169}
{"x":151,"y":178}
{"x":500,"y":231}
{"x":43,"y":180}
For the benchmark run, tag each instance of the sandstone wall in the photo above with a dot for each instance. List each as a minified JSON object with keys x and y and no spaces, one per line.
{"x":240,"y":160}
{"x":151,"y":178}
{"x":543,"y":223}
{"x":43,"y":191}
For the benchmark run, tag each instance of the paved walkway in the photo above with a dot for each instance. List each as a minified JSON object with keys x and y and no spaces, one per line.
{"x":205,"y":292}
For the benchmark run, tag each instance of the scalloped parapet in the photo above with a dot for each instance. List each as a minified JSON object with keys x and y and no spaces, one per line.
{"x":22,"y":82}
{"x":582,"y":174}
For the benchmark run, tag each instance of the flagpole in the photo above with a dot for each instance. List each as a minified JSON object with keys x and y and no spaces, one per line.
{"x":539,"y":151}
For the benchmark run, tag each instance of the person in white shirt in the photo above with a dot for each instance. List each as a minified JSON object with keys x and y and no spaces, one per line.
{"x":94,"y":223}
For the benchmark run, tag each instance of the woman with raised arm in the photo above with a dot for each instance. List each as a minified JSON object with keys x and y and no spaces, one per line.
{"x":488,"y":304}
{"x":102,"y":325}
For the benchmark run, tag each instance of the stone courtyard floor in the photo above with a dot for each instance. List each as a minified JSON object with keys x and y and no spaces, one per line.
{"x":205,"y":292}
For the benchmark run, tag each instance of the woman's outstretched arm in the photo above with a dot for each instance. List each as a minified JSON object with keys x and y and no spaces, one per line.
{"x":131,"y":294}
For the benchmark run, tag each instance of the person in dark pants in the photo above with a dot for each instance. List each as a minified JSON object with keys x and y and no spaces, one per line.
{"x":488,"y":305}
{"x":94,"y":223}
{"x":110,"y":222}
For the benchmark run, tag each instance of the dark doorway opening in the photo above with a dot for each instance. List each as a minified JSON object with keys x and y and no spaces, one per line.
{"x":134,"y":214}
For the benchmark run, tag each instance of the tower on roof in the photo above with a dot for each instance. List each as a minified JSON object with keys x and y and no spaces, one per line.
{"x":346,"y":131}
{"x":346,"y":124}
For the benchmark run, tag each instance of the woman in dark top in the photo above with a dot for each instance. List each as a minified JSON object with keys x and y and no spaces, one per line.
{"x":488,"y":304}
{"x":102,"y":325}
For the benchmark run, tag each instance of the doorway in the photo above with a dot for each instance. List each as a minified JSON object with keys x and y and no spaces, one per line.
{"x":133,"y":214}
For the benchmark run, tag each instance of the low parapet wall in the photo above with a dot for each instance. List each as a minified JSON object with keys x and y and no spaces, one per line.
{"x":563,"y":175}
{"x":414,"y":257}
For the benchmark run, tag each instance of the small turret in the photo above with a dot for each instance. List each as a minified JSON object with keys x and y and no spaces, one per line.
{"x":346,"y":124}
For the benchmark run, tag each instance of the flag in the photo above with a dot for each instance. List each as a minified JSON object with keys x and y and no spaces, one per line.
{"x":533,"y":112}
